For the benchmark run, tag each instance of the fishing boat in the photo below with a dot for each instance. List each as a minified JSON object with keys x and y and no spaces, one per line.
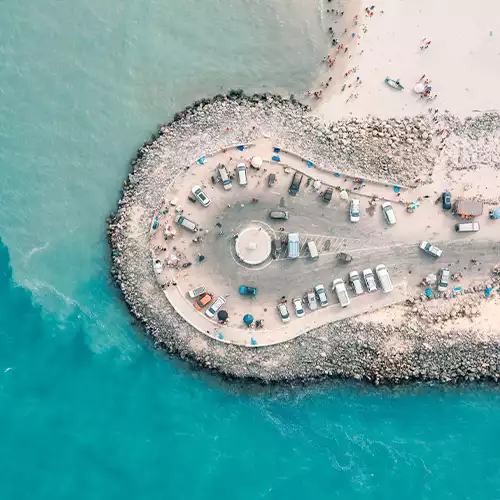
{"x":394,"y":83}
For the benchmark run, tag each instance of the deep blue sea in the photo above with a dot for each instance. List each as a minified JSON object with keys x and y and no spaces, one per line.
{"x":87,"y":409}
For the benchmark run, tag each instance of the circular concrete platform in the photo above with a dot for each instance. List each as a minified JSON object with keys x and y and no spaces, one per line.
{"x":253,"y":245}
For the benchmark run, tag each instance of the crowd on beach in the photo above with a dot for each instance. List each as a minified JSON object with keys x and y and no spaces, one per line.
{"x":340,"y":44}
{"x":342,"y":47}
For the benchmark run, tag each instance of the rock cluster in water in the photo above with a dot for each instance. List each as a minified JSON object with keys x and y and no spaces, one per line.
{"x":397,"y":150}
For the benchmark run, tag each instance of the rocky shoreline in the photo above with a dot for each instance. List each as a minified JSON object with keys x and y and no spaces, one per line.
{"x":399,"y":150}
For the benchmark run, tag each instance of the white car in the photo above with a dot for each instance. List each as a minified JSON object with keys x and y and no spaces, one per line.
{"x":311,"y":301}
{"x":201,"y":196}
{"x":320,"y":292}
{"x":431,"y":249}
{"x":388,"y":213}
{"x":444,"y":276}
{"x":384,"y":278}
{"x":371,"y":286}
{"x":355,"y":281}
{"x":299,"y":308}
{"x":354,"y":211}
{"x":283,"y":312}
{"x":217,"y":304}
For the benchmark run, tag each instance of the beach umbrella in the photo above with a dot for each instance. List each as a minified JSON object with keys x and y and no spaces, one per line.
{"x":248,"y":319}
{"x":344,"y":195}
{"x":496,"y":213}
{"x":256,"y":162}
{"x":317,"y":185}
{"x":222,"y":315}
{"x":419,"y":88}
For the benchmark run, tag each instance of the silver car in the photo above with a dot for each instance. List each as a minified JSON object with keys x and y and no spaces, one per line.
{"x":320,"y":292}
{"x":311,"y":301}
{"x":369,"y":280}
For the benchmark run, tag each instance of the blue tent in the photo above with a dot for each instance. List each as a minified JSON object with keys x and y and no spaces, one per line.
{"x":248,"y":319}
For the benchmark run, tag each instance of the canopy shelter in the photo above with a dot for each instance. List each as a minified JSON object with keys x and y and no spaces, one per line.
{"x":495,"y":214}
{"x":469,"y":208}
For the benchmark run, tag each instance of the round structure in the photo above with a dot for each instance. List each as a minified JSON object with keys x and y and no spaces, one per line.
{"x":253,"y":245}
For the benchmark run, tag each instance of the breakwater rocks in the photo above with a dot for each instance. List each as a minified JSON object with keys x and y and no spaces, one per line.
{"x":395,"y":149}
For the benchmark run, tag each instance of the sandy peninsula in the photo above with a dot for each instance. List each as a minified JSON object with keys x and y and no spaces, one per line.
{"x":447,"y":139}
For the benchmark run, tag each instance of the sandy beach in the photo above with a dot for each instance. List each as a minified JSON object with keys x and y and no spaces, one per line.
{"x":461,"y":61}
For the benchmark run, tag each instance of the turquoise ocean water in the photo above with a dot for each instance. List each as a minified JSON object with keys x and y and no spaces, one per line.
{"x":87,"y":409}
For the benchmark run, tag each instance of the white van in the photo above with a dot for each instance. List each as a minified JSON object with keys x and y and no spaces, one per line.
{"x":224,"y":177}
{"x":313,"y":251}
{"x":293,"y":245}
{"x":340,"y":289}
{"x":186,"y":223}
{"x":383,"y":277}
{"x":241,"y":169}
{"x":467,"y":227}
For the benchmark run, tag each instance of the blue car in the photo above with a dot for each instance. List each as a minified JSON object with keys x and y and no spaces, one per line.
{"x":447,"y":200}
{"x":248,"y":290}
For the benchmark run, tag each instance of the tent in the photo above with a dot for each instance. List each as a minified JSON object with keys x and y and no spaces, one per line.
{"x":495,"y":214}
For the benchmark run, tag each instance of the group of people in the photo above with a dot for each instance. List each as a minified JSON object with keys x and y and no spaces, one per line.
{"x":341,"y":48}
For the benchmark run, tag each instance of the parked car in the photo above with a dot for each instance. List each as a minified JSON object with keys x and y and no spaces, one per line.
{"x":446,"y":200}
{"x":186,"y":223}
{"x":299,"y":308}
{"x":224,"y":177}
{"x":212,"y":310}
{"x":384,"y":278}
{"x":320,"y":292}
{"x":295,"y":184}
{"x":203,"y":301}
{"x":340,"y":290}
{"x":241,"y":170}
{"x":355,"y":281}
{"x":369,"y":278}
{"x":354,"y":211}
{"x":344,"y":257}
{"x":444,"y":277}
{"x":283,"y":312}
{"x":431,"y":249}
{"x":388,"y":212}
{"x":248,"y":290}
{"x":271,"y":180}
{"x":201,"y":196}
{"x":277,"y":247}
{"x":311,"y":301}
{"x":278,"y":214}
{"x":327,"y":195}
{"x":197,"y":291}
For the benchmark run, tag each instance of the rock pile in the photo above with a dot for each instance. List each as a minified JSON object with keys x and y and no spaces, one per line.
{"x":393,"y":149}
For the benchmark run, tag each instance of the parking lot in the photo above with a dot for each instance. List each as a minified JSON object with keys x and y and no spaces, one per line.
{"x":370,"y":242}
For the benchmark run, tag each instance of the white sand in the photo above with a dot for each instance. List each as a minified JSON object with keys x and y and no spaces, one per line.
{"x":462,"y":61}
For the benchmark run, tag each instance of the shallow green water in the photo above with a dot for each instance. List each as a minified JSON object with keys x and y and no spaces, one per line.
{"x":88,"y":410}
